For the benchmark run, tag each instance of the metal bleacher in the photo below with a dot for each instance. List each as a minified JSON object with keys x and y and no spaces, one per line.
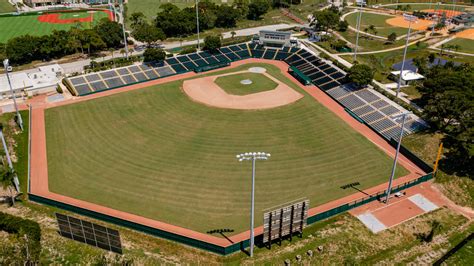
{"x":375,"y":110}
{"x":369,"y":106}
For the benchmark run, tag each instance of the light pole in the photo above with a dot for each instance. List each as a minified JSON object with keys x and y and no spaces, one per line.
{"x":357,"y":32}
{"x":18,"y":116}
{"x":123,"y":29}
{"x":252,"y":156}
{"x":197,"y":23}
{"x":410,"y":19}
{"x":389,"y":189}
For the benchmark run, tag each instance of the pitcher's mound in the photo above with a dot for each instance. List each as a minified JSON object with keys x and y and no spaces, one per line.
{"x":257,"y":70}
{"x":206,"y":91}
{"x":246,"y":82}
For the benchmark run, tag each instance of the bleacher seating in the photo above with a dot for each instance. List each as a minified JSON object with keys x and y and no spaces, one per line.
{"x":371,"y":107}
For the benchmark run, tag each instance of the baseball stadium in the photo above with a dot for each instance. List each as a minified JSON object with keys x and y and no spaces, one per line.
{"x":153,"y":146}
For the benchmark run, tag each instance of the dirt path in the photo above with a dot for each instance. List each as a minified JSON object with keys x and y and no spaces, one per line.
{"x":39,"y":164}
{"x":206,"y":91}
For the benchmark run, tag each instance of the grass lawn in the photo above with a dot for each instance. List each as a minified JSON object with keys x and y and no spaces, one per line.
{"x":28,"y":24}
{"x":466,"y":45}
{"x":433,"y":5}
{"x":156,"y":153}
{"x":231,"y":84}
{"x":151,"y":7}
{"x":378,"y":20}
{"x":6,"y":7}
{"x":19,"y":140}
{"x":369,"y":44}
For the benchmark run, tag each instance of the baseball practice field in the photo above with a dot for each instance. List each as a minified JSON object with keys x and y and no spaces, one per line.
{"x":39,"y":24}
{"x":160,"y":153}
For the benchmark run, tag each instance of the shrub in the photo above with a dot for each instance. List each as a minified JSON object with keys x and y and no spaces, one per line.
{"x":16,"y":225}
{"x":188,"y":50}
{"x":59,"y":89}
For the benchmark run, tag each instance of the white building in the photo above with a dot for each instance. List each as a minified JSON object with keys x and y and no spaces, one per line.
{"x":408,"y":76}
{"x":44,"y":80}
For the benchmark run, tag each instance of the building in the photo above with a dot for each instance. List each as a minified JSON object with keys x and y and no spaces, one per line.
{"x":44,"y":80}
{"x":465,"y":20}
{"x":275,"y":39}
{"x":408,"y":77}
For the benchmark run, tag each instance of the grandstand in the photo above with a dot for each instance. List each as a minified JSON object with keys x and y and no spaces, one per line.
{"x":365,"y":104}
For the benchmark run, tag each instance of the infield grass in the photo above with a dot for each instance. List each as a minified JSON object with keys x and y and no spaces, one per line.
{"x":378,"y":20}
{"x":232,"y":83}
{"x":156,"y":153}
{"x":15,"y":26}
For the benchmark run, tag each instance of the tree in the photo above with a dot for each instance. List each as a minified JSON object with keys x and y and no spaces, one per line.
{"x":448,"y":102}
{"x":361,"y":74}
{"x":175,"y":22}
{"x":137,"y":19}
{"x":226,"y":16}
{"x":326,"y":19}
{"x":232,"y":34}
{"x":148,"y":34}
{"x":6,"y":179}
{"x":343,"y":25}
{"x":212,"y":43}
{"x":392,"y":37}
{"x":110,"y":32}
{"x":242,"y":6}
{"x":338,"y":45}
{"x":420,"y":63}
{"x":91,"y":41}
{"x":431,"y":58}
{"x":257,"y":8}
{"x":154,"y":55}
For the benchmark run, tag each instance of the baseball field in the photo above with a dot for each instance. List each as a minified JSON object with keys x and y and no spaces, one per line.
{"x":378,"y":20}
{"x":43,"y":24}
{"x":157,"y":153}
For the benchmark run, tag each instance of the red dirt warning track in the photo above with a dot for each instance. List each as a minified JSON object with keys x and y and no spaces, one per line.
{"x":54,"y":18}
{"x":39,"y":163}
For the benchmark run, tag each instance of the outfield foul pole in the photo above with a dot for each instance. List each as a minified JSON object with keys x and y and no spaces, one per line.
{"x":410,"y":19}
{"x":394,"y":167}
{"x":253,"y":156}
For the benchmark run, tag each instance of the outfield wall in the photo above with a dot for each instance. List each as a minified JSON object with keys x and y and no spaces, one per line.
{"x":232,"y":247}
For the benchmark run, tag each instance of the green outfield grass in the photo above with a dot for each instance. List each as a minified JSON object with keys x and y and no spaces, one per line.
{"x":14,"y":26}
{"x":6,"y":7}
{"x":465,"y":45}
{"x":231,"y":84}
{"x":156,"y":153}
{"x":378,"y":20}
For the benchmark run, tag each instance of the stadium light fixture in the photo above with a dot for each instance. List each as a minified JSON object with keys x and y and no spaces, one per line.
{"x":252,"y":156}
{"x":403,"y":116}
{"x":410,"y":19}
{"x":358,"y":29}
{"x":18,"y":116}
{"x":123,"y":28}
{"x":197,"y":24}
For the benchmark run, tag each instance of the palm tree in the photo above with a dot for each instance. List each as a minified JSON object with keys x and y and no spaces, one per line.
{"x":6,"y":180}
{"x":233,"y":33}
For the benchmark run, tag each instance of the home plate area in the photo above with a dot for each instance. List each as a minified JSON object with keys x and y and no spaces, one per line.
{"x":381,"y":216}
